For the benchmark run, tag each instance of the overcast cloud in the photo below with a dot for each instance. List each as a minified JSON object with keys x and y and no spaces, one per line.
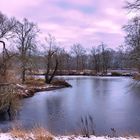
{"x":85,"y":21}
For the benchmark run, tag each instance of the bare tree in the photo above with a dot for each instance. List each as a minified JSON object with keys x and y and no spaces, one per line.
{"x":105,"y":57}
{"x":26,"y":33}
{"x":121,"y":57}
{"x":64,"y":60}
{"x":79,"y":52}
{"x":135,"y":5}
{"x":95,"y":59}
{"x":132,"y":39}
{"x":6,"y":31}
{"x":101,"y":58}
{"x":51,"y":58}
{"x":6,"y":26}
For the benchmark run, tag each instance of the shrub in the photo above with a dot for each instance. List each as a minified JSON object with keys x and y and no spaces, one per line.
{"x":41,"y":134}
{"x":17,"y":132}
{"x":116,"y":74}
{"x":136,"y":77}
{"x":35,"y":82}
{"x":9,"y":100}
{"x":61,"y":82}
{"x":37,"y":133}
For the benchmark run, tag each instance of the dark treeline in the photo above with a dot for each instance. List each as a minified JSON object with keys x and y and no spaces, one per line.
{"x":99,"y":59}
{"x":26,"y":54}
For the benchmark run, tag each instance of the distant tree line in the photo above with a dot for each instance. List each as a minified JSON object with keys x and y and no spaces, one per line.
{"x":26,"y":54}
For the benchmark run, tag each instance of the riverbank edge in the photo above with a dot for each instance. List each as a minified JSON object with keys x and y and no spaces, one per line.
{"x":104,"y":75}
{"x":25,"y":91}
{"x":93,"y":73}
{"x":29,"y":91}
{"x":43,"y":136}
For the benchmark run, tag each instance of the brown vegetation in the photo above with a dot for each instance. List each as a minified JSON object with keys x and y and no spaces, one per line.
{"x":19,"y":133}
{"x":36,"y":133}
{"x":116,"y":74}
{"x":35,"y":81}
{"x":9,"y":100}
{"x":136,"y":77}
{"x":60,"y":82}
{"x":41,"y":134}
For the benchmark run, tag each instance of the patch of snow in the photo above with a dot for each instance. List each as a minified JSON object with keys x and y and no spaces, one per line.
{"x":7,"y":136}
{"x":93,"y":138}
{"x":20,"y":86}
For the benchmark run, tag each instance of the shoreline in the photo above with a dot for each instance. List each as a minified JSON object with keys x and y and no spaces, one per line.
{"x":47,"y":136}
{"x":26,"y":92}
{"x":21,"y":91}
{"x":123,"y":75}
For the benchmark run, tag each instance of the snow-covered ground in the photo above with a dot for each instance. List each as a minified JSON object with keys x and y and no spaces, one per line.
{"x":7,"y":136}
{"x":93,"y":138}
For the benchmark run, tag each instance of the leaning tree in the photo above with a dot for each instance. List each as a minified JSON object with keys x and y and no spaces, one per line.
{"x":50,"y":58}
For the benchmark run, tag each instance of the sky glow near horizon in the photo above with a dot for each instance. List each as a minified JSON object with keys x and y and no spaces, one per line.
{"x":88,"y":22}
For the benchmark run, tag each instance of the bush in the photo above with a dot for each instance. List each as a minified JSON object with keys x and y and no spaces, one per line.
{"x":136,"y":77}
{"x":61,"y":82}
{"x":41,"y":134}
{"x":116,"y":74}
{"x":9,"y":100}
{"x":35,"y":82}
{"x":17,"y":132}
{"x":37,"y":133}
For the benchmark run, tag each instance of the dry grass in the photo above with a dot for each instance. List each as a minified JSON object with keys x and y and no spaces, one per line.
{"x":34,"y":134}
{"x":60,"y":82}
{"x":9,"y":99}
{"x":136,"y":77}
{"x":19,"y":133}
{"x":41,"y":134}
{"x":35,"y":82}
{"x":116,"y":74}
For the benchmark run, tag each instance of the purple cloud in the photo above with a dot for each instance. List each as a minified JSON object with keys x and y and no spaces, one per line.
{"x":85,"y":21}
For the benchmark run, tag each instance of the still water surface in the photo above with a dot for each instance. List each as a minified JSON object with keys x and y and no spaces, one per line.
{"x":111,"y":101}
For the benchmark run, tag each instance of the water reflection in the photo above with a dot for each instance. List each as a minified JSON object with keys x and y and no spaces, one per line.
{"x":108,"y":100}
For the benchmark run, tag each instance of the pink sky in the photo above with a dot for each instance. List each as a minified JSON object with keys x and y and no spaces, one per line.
{"x":88,"y":22}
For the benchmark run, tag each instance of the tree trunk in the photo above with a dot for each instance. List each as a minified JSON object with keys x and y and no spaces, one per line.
{"x":49,"y":78}
{"x":4,"y":65}
{"x":54,"y":72}
{"x":46,"y":78}
{"x":23,"y":75}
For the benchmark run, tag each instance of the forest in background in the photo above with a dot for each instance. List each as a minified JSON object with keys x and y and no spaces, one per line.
{"x":22,"y":53}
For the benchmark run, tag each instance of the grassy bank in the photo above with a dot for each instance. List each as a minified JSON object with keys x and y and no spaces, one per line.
{"x":33,"y":85}
{"x":11,"y":94}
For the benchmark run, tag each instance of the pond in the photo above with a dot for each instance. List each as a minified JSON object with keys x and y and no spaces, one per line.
{"x":112,"y":102}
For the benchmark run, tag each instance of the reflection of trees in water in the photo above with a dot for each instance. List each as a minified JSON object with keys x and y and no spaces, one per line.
{"x":4,"y":116}
{"x":56,"y":116}
{"x":133,"y":86}
{"x":101,"y":86}
{"x":54,"y":105}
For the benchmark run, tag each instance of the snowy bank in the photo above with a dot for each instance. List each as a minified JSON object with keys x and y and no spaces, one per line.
{"x":94,"y":138}
{"x":8,"y":136}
